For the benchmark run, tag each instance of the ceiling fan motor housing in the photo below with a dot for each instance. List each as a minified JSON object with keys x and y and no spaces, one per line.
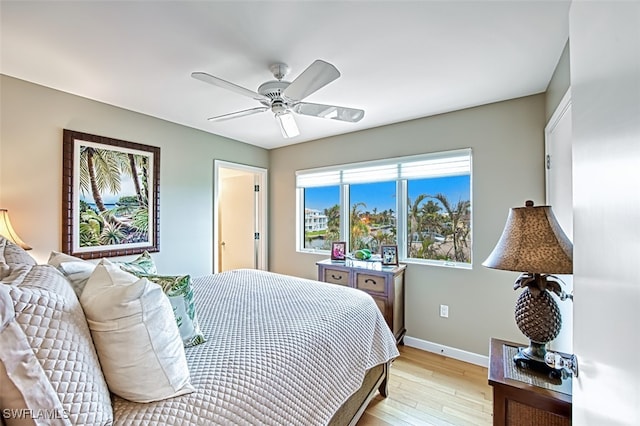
{"x":273,"y":90}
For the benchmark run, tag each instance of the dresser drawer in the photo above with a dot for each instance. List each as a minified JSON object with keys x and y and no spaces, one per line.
{"x":336,"y":276}
{"x":368,"y":282}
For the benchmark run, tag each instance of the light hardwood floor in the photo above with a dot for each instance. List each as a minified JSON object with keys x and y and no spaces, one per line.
{"x":431,"y":389}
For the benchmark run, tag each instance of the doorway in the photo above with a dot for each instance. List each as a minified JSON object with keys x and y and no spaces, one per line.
{"x":240,"y":217}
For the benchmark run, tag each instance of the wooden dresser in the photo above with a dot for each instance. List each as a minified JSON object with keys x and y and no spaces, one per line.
{"x":386,"y":286}
{"x":522,"y":397}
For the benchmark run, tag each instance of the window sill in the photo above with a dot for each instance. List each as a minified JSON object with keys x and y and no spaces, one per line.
{"x":439,"y":263}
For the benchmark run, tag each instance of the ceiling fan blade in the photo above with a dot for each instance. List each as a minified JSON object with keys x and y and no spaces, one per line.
{"x":237,"y":114}
{"x":333,"y":112}
{"x":207,"y":78}
{"x":287,"y":124}
{"x":315,"y":77}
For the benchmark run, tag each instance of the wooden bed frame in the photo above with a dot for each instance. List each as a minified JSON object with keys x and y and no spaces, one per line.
{"x":376,"y":379}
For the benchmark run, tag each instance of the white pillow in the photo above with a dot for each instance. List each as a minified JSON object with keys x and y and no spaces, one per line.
{"x":75,"y":269}
{"x":135,"y":334}
{"x":79,"y":270}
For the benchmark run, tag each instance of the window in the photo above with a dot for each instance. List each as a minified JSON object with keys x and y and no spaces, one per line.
{"x":321,"y":217}
{"x":421,"y":203}
{"x":372,"y":215}
{"x":439,"y":219}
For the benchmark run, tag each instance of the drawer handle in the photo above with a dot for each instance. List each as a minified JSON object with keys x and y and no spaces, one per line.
{"x":339,"y":277}
{"x":369,"y":280}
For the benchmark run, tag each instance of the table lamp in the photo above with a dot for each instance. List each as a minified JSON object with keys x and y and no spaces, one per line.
{"x":6,"y":230}
{"x":533,"y":243}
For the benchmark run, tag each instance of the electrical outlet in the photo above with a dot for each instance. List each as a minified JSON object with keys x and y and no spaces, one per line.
{"x":444,"y":311}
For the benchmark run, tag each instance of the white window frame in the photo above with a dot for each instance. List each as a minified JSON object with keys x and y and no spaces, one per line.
{"x":399,"y":169}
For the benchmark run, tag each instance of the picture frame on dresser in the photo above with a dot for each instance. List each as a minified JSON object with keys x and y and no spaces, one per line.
{"x":338,"y":250}
{"x":389,"y":254}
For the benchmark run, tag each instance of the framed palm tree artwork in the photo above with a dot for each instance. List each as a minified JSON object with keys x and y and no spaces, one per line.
{"x":110,"y":196}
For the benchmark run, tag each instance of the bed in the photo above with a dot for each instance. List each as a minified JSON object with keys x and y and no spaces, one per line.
{"x":278,"y":350}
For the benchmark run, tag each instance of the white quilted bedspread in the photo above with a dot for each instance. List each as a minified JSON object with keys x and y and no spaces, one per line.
{"x":280,"y":351}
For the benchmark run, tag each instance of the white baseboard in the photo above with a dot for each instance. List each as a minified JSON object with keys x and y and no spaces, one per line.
{"x":458,"y":354}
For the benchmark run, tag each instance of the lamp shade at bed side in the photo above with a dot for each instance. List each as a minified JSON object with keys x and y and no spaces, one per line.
{"x":7,"y":231}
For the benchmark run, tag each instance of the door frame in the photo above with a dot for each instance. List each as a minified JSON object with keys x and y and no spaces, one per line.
{"x":564,"y":341}
{"x":261,"y":210}
{"x":558,"y":114}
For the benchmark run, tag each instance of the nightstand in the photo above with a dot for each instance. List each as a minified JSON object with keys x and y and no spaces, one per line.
{"x":523,"y":397}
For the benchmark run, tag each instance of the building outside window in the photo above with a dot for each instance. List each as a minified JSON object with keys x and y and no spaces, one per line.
{"x":315,"y":220}
{"x":321,"y":217}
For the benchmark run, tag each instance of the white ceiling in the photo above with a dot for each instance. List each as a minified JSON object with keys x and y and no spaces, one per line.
{"x":399,"y":60}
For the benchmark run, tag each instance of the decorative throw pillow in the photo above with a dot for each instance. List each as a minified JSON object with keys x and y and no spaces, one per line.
{"x":79,"y":270}
{"x":135,"y":334}
{"x":178,"y":290}
{"x":143,"y":264}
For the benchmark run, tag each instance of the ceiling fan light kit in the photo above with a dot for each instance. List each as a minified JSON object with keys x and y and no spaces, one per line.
{"x":283,"y":97}
{"x":288,"y":125}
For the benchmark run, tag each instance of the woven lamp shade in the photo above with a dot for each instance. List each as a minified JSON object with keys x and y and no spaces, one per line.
{"x":532,"y":241}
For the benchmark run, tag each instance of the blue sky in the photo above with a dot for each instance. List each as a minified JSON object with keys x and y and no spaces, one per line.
{"x":126,"y":188}
{"x":381,"y":195}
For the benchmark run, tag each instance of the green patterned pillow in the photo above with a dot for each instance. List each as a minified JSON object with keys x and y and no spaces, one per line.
{"x":178,"y":290}
{"x":143,"y":264}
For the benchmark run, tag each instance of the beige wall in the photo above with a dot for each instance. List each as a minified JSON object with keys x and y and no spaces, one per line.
{"x":559,"y":83}
{"x":508,"y":146}
{"x":32,"y":120}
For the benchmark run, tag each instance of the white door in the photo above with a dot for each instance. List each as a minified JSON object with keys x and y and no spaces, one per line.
{"x":559,"y":184}
{"x":604,"y":40}
{"x":240,"y":217}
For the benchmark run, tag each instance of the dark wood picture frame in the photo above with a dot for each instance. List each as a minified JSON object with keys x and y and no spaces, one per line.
{"x":338,"y":250}
{"x":389,"y":254}
{"x":132,"y":226}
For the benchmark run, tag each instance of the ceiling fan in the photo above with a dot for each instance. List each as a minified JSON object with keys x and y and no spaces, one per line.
{"x":284,"y":97}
